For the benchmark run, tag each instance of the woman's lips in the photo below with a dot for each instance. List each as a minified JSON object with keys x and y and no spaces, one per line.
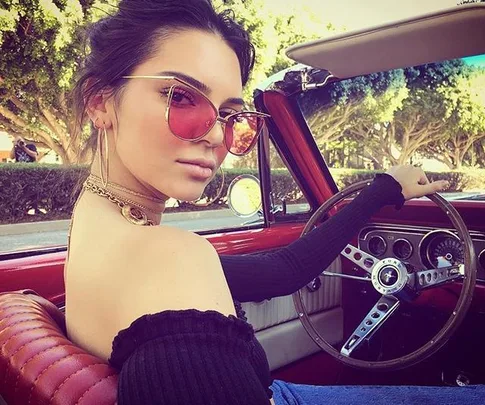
{"x":197,"y":170}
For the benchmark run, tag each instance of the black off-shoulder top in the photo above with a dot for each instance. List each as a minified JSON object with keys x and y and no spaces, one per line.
{"x":192,"y":357}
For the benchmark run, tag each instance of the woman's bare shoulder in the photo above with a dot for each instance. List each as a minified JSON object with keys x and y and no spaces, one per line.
{"x":166,"y":246}
{"x":172,"y":242}
{"x":172,"y":269}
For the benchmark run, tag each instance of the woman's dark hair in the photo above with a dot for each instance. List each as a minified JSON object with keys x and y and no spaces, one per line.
{"x":120,"y":42}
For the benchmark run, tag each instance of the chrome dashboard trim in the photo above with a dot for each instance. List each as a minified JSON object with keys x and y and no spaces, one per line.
{"x":480,"y":258}
{"x":411,"y":232}
{"x":409,"y":228}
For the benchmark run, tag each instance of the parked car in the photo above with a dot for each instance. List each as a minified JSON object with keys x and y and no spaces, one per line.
{"x":407,"y":295}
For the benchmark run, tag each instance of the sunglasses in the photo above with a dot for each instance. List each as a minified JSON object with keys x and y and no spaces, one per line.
{"x":191,"y":115}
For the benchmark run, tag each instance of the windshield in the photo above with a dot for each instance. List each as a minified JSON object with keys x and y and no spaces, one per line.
{"x":431,"y":115}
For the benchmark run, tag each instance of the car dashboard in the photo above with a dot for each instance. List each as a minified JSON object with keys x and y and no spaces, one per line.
{"x":420,"y":248}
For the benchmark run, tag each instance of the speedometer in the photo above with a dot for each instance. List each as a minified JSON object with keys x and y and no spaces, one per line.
{"x":445,"y":251}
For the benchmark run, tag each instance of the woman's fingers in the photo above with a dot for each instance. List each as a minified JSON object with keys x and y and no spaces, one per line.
{"x":414,"y":181}
{"x":430,"y":188}
{"x":423,"y":179}
{"x":426,"y":187}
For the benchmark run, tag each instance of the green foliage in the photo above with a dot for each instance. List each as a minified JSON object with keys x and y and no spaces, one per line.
{"x":48,"y":189}
{"x":436,"y":110}
{"x":460,"y":181}
{"x":272,"y":29}
{"x":41,"y":47}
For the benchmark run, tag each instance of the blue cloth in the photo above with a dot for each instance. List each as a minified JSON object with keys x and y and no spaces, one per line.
{"x":296,"y":394}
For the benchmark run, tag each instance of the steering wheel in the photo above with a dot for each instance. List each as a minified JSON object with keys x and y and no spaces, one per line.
{"x":390,"y":277}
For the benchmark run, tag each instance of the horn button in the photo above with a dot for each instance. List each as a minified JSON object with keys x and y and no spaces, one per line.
{"x":389,"y":276}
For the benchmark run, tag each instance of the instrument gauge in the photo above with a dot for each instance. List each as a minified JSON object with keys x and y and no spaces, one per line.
{"x":445,"y":251}
{"x":402,"y":249}
{"x":377,"y":245}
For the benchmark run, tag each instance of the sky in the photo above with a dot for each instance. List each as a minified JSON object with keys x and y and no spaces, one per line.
{"x":357,"y":14}
{"x":478,"y":60}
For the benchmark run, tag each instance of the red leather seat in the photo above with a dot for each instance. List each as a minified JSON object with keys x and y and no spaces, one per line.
{"x":38,"y":363}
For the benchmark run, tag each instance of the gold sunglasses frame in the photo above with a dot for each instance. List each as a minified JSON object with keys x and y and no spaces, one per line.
{"x":222,"y":120}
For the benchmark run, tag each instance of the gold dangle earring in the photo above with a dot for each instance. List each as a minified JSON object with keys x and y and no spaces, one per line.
{"x":103,"y":160}
{"x":198,"y":202}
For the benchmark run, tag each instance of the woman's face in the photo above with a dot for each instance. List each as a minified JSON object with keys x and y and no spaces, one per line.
{"x":144,"y":142}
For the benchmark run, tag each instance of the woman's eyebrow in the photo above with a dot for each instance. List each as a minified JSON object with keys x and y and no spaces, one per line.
{"x":235,"y":100}
{"x":189,"y":79}
{"x":200,"y":86}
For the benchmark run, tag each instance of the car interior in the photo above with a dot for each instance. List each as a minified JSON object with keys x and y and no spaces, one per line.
{"x":403,"y":304}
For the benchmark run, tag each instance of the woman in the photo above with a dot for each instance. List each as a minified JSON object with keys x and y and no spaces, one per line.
{"x":161,"y":85}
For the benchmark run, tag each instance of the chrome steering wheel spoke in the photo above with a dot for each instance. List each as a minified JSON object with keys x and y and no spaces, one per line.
{"x":347,"y":276}
{"x":430,"y":278}
{"x":362,"y":259}
{"x":374,"y":319}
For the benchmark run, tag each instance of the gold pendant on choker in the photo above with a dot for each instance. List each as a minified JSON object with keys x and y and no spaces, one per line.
{"x":134,"y":215}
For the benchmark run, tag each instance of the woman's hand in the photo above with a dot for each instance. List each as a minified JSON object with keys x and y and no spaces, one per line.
{"x":414,"y":182}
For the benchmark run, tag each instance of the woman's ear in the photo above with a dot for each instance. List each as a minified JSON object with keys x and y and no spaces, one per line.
{"x":98,"y":109}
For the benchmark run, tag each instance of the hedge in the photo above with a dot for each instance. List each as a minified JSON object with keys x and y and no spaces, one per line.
{"x":465,"y":180}
{"x":51,"y":190}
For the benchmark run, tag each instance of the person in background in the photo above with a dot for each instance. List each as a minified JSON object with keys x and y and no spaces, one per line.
{"x":23,"y":151}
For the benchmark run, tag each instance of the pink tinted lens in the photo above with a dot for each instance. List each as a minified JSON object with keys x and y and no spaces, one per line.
{"x":241,"y":132}
{"x":190,"y":115}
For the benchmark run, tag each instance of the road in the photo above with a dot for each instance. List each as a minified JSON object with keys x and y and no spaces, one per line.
{"x":196,"y":222}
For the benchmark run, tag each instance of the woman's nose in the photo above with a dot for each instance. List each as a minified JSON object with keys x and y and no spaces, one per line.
{"x":215,"y":137}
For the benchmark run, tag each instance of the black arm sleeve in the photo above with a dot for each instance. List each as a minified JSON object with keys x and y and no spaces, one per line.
{"x":256,"y":277}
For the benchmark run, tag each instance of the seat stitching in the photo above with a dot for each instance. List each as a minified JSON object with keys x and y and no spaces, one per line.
{"x":26,"y":343}
{"x":38,"y":317}
{"x":18,"y":349}
{"x":17,"y":313}
{"x":44,"y":371}
{"x":22,"y":306}
{"x":33,"y":357}
{"x":24,"y":330}
{"x":24,"y":320}
{"x":47,"y":324}
{"x":42,"y":352}
{"x":28,"y":304}
{"x":70,"y":376}
{"x":94,"y":385}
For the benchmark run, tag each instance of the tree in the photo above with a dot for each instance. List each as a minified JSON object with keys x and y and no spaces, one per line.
{"x":41,"y":47}
{"x":465,"y":120}
{"x":386,"y":117}
{"x":272,"y":29}
{"x":356,"y":112}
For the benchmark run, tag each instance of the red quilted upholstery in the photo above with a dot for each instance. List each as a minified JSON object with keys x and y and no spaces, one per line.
{"x":39,"y":365}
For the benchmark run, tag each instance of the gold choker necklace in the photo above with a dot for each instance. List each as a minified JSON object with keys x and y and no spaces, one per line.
{"x":132,"y":211}
{"x":97,"y":180}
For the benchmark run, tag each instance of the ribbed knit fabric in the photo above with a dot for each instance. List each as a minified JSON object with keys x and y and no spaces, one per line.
{"x":190,"y":357}
{"x":193,"y":357}
{"x":255,"y":277}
